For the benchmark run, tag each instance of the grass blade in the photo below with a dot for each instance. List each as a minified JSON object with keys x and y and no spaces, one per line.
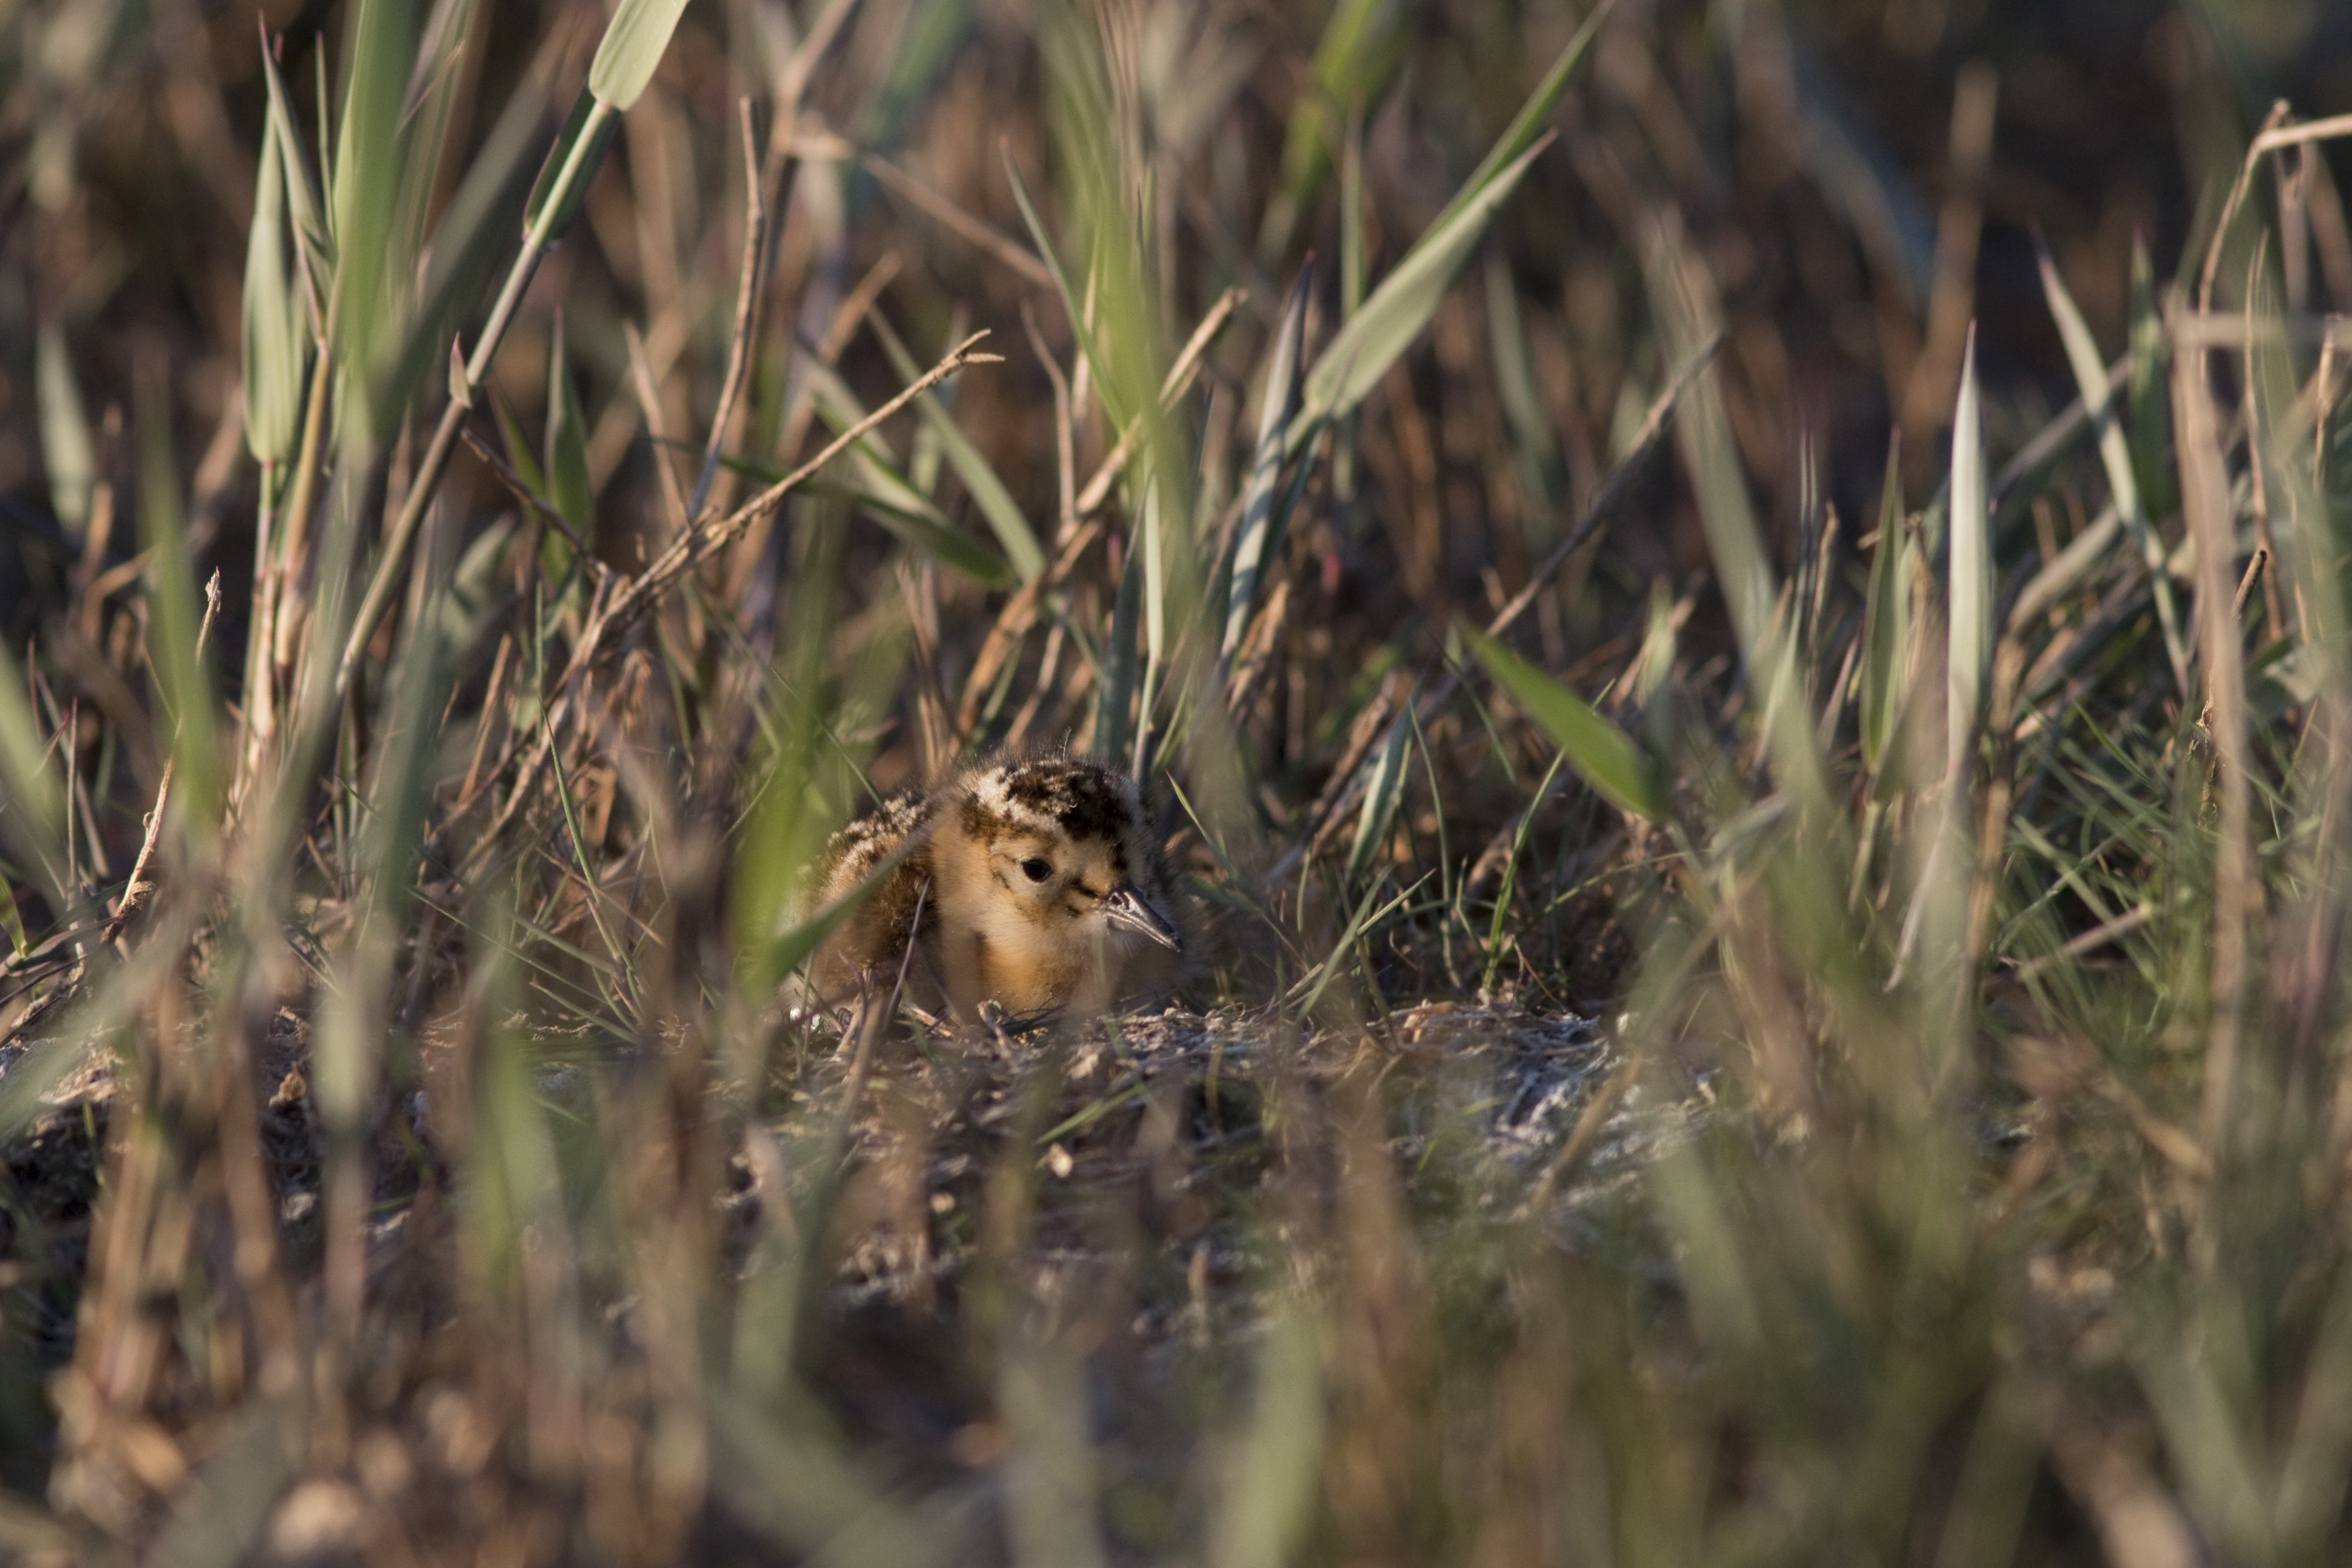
{"x":1259,"y":534}
{"x":988,"y":491}
{"x":572,"y":162}
{"x":633,"y":43}
{"x":1113,"y":736}
{"x":305,"y":210}
{"x":370,"y":273}
{"x":479,"y":222}
{"x":67,"y":450}
{"x":1352,"y":363}
{"x":1971,"y":659}
{"x":1886,"y":622}
{"x":889,"y":497}
{"x":1381,"y":797}
{"x":2115,"y":455}
{"x":1353,"y":60}
{"x":1602,"y":754}
{"x":1528,"y":125}
{"x":1154,"y":550}
{"x":1362,"y":351}
{"x":1689,"y":313}
{"x":1268,"y":1498}
{"x":32,"y":807}
{"x":1071,"y":306}
{"x":567,"y":442}
{"x":275,"y":345}
{"x":172,"y":640}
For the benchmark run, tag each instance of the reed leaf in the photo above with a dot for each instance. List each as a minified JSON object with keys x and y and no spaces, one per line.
{"x":988,"y":492}
{"x":68,"y":453}
{"x":274,"y":341}
{"x":633,"y":43}
{"x":889,"y":497}
{"x":1602,"y":754}
{"x":1886,"y":615}
{"x":2115,"y":453}
{"x":1259,"y":535}
{"x":1969,"y":662}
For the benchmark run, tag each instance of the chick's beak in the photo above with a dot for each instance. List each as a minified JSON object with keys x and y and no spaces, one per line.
{"x":1126,"y":910}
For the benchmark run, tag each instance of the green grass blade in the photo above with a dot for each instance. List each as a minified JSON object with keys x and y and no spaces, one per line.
{"x":1971,"y":658}
{"x":1071,"y":305}
{"x":988,"y":492}
{"x":1527,"y":124}
{"x":888,"y":496}
{"x":1114,"y":703}
{"x":274,"y":341}
{"x":633,"y":43}
{"x":1259,"y":535}
{"x":428,"y":114}
{"x":1886,"y":622}
{"x":1381,"y":794}
{"x":1370,"y":912}
{"x":1353,"y":60}
{"x":32,"y":805}
{"x":572,"y":162}
{"x":1689,"y":313}
{"x":2114,"y":454}
{"x":567,"y":442}
{"x":1269,"y":1493}
{"x":305,"y":209}
{"x":67,"y":450}
{"x":1362,"y":351}
{"x":519,"y":457}
{"x":1535,"y":446}
{"x":1154,"y":550}
{"x":480,"y":222}
{"x":1602,"y":754}
{"x":172,"y":626}
{"x":792,"y":947}
{"x":379,"y":54}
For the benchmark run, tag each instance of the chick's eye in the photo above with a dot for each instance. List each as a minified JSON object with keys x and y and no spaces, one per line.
{"x":1036,"y":868}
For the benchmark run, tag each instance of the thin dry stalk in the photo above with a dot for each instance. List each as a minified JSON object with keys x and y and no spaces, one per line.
{"x":751,"y":295}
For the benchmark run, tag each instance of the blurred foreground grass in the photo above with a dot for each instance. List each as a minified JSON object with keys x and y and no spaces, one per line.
{"x":1771,"y":860}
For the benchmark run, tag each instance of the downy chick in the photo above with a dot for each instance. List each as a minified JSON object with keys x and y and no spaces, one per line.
{"x":1035,"y":884}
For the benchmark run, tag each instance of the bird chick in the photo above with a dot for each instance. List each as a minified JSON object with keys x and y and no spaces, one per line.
{"x":1035,"y":885}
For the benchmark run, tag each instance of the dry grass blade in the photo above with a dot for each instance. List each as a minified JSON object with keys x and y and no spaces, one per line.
{"x":2205,"y":494}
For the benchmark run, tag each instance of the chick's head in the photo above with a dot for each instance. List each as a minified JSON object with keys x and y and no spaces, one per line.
{"x":1051,"y":868}
{"x":1070,"y":851}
